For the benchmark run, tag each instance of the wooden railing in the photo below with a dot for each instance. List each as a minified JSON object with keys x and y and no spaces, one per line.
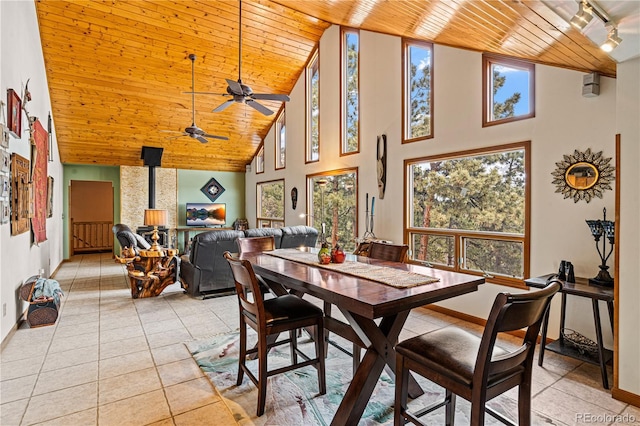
{"x":91,"y":237}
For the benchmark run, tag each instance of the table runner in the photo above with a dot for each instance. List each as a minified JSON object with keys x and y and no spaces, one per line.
{"x":382,"y":274}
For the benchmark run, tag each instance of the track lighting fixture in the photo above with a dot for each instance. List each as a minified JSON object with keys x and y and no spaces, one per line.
{"x":586,"y":10}
{"x":612,"y":39}
{"x":584,"y":15}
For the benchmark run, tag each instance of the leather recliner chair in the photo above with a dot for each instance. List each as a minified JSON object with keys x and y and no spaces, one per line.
{"x":127,"y":238}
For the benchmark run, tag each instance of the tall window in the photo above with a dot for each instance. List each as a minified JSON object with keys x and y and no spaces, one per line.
{"x":313,"y":109}
{"x":270,"y":204}
{"x":468,"y":211}
{"x":350,"y":92}
{"x":260,"y":160}
{"x":281,"y":141}
{"x":417,"y":93}
{"x":508,"y":90}
{"x":333,"y":206}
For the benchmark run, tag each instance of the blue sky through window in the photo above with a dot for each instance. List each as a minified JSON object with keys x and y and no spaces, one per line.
{"x":517,"y":80}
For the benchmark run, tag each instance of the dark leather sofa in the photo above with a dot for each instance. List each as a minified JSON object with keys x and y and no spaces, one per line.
{"x":205,"y":270}
{"x":127,"y":238}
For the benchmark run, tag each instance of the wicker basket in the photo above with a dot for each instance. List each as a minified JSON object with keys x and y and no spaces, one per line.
{"x":41,"y":312}
{"x":582,"y":343}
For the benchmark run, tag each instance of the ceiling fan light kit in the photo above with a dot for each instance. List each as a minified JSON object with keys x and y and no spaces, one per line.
{"x":194,"y":131}
{"x":241,"y":93}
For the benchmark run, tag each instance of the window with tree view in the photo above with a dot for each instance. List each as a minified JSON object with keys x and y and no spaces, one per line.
{"x":417,"y":94}
{"x":350,"y":92}
{"x":270,"y":204}
{"x":333,"y":206}
{"x":468,"y":211}
{"x":508,"y":90}
{"x":313,"y":109}
{"x":281,"y":141}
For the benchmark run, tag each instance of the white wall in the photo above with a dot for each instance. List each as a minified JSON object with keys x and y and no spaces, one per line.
{"x":628,"y":125}
{"x":565,"y":121}
{"x":22,"y":60}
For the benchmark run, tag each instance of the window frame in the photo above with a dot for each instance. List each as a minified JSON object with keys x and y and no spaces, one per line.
{"x":260,"y":159}
{"x":460,"y":235}
{"x":406,"y":45}
{"x":488,"y":61}
{"x":344,"y":79}
{"x":314,"y":63}
{"x":310,"y":179}
{"x":281,"y":143}
{"x":270,"y":222}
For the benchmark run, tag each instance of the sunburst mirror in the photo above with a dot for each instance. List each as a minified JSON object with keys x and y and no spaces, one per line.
{"x":583,"y":175}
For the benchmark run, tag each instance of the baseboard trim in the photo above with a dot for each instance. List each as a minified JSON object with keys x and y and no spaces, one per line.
{"x":475,"y":320}
{"x":626,"y":396}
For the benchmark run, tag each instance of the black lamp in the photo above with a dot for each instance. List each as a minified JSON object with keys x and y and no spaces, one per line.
{"x":599,"y":229}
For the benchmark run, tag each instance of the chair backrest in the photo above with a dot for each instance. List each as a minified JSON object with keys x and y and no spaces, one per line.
{"x":127,"y":238}
{"x":253,"y":244}
{"x":391,"y":252}
{"x":265,"y":232}
{"x":512,"y":312}
{"x":247,"y":287}
{"x":298,"y":236}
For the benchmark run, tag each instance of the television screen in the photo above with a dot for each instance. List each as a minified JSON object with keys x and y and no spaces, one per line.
{"x":206,"y":214}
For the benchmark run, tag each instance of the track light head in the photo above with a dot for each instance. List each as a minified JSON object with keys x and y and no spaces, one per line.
{"x":583,"y":17}
{"x":612,"y":39}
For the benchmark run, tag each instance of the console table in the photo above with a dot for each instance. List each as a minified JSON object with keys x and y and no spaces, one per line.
{"x":580,"y":288}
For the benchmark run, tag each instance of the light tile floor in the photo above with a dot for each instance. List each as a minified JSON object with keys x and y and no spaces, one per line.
{"x":113,"y":360}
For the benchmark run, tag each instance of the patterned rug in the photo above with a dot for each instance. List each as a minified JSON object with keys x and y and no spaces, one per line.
{"x":292,"y":397}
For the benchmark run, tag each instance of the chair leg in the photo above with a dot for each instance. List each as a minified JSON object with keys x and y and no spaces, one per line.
{"x":327,"y":313}
{"x":242,"y":356}
{"x":320,"y":354}
{"x":402,"y":389}
{"x":524,"y":404}
{"x":262,"y":374}
{"x":477,"y":411}
{"x":450,"y":408}
{"x":293,"y":346}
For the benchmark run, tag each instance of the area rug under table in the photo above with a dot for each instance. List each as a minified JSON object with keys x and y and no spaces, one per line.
{"x":292,"y":397}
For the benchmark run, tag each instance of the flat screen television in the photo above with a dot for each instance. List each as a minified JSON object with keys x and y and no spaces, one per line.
{"x":206,"y":214}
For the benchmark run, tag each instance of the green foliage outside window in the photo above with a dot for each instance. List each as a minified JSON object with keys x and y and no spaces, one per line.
{"x":313,"y":148}
{"x":271,"y":200}
{"x":351,"y":101}
{"x":334,"y":204}
{"x":461,"y":200}
{"x":418,"y":107}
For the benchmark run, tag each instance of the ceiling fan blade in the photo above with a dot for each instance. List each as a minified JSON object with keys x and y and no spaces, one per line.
{"x":224,"y":106}
{"x":223,"y":138}
{"x":235,"y":87}
{"x":271,"y":97}
{"x":259,"y":107}
{"x":201,"y":139}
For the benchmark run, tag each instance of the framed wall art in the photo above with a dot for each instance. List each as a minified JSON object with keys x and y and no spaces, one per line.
{"x":4,"y":136}
{"x":212,"y":189}
{"x":4,"y":185}
{"x":5,"y":161}
{"x":21,"y":206}
{"x":14,"y":116}
{"x":4,"y":211}
{"x":49,"y":196}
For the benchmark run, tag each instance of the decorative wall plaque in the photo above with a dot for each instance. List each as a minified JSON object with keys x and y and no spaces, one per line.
{"x":212,"y":189}
{"x":20,"y":195}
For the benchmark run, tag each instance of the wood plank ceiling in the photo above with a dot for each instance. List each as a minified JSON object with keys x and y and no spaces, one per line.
{"x":118,"y":70}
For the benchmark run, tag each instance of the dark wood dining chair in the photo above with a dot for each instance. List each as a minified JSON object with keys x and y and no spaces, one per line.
{"x":473,"y":367}
{"x":392,"y":252}
{"x":270,"y":317}
{"x":254,"y":244}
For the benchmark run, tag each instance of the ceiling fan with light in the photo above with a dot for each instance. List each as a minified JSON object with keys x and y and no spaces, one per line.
{"x":242,"y":93}
{"x":194,"y":131}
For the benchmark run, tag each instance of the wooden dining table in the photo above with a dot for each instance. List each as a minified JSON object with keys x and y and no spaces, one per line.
{"x":375,"y":312}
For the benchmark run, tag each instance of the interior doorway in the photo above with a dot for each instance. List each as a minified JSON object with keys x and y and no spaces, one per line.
{"x":90,"y":216}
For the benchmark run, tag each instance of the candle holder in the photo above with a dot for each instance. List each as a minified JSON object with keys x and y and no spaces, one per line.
{"x":603,"y":229}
